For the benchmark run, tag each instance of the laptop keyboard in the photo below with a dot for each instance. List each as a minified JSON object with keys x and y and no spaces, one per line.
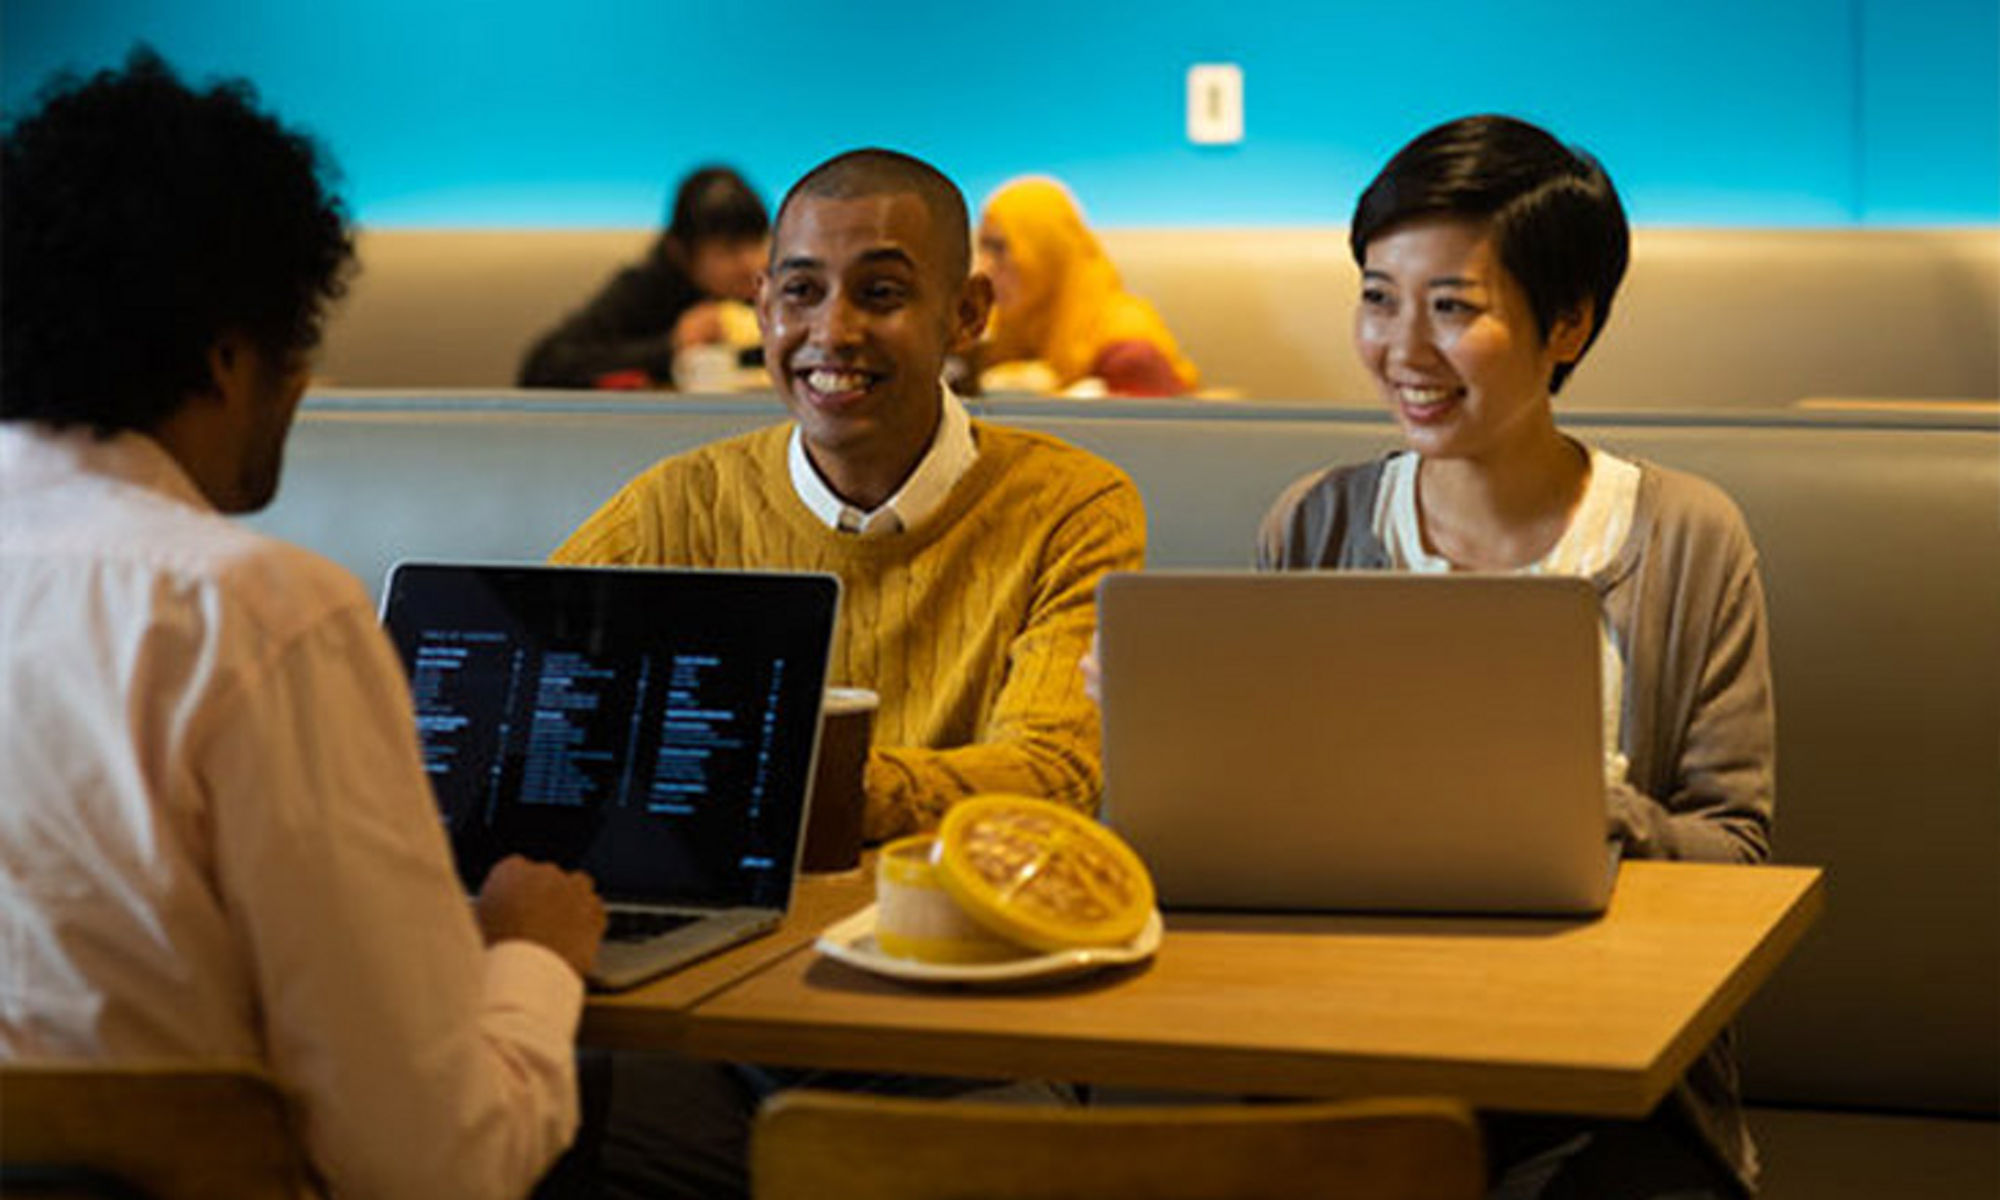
{"x":628,"y":926}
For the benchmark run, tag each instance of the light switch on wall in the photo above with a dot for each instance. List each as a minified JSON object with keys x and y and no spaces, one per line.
{"x":1215,"y":104}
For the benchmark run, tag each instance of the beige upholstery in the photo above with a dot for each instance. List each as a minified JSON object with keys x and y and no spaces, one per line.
{"x":826,"y":1146}
{"x":1880,"y":542}
{"x":1707,"y":319}
{"x":172,"y":1132}
{"x":451,"y":308}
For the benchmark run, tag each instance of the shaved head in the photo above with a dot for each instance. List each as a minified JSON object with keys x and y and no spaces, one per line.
{"x":875,"y":172}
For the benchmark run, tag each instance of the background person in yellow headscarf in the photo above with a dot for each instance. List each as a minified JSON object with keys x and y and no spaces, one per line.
{"x":1060,"y":315}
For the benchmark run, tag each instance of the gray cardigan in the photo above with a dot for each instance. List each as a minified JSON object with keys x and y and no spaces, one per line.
{"x":1685,"y":607}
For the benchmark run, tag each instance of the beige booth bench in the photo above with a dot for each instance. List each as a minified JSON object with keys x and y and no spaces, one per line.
{"x":1880,"y":544}
{"x":1754,"y":318}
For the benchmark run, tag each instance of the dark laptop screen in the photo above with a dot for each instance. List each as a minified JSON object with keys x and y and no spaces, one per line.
{"x":655,"y":728}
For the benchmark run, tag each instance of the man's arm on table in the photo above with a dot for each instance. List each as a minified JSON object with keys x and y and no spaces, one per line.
{"x":1042,"y":737}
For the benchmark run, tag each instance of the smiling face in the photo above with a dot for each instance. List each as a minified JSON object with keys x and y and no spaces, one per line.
{"x":859,"y":310}
{"x":1452,"y":343}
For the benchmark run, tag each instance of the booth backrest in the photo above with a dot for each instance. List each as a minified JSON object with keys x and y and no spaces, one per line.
{"x":1880,"y":550}
{"x":1748,"y":318}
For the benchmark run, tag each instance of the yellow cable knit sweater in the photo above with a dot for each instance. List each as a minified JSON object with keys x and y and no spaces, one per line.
{"x":969,"y":626}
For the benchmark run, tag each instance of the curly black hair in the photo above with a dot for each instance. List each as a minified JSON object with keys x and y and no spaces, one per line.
{"x":140,"y":221}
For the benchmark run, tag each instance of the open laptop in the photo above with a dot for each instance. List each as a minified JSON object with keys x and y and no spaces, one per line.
{"x":1358,"y":740}
{"x":655,"y":728}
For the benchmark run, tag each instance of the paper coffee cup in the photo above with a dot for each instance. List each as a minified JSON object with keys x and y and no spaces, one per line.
{"x":916,"y":918}
{"x":836,"y":804}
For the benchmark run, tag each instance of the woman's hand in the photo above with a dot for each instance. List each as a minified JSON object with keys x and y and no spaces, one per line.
{"x":1093,"y":674}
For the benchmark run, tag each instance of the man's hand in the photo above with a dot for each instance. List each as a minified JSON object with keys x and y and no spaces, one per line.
{"x":544,"y":904}
{"x":699,"y":326}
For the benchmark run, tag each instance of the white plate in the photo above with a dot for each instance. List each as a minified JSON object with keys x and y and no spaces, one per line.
{"x":852,"y":941}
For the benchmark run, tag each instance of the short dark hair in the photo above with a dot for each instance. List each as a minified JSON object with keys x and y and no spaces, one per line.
{"x":1554,"y":216}
{"x":715,"y":203}
{"x":140,"y":221}
{"x":873,"y":171}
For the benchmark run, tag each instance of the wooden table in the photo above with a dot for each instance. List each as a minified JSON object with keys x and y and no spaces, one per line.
{"x":655,"y":1015}
{"x":1588,"y":1017}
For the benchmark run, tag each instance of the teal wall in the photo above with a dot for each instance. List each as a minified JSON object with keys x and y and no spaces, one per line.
{"x":511,"y":113}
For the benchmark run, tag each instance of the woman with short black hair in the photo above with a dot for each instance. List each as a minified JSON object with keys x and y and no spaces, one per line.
{"x":1490,"y":254}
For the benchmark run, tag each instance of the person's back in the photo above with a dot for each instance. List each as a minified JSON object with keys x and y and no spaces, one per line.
{"x":218,"y":842}
{"x":140,"y":629}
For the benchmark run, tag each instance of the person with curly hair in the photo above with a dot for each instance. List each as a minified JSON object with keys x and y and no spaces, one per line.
{"x":218,"y":842}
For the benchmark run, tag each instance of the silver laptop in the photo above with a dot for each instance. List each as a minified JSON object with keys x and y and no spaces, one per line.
{"x":655,"y":728}
{"x":1358,"y":740}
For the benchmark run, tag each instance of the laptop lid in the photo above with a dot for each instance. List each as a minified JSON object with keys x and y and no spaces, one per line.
{"x":655,"y":728}
{"x":1357,"y":740}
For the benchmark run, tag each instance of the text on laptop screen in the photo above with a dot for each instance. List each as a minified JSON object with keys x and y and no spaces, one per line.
{"x":653,"y":728}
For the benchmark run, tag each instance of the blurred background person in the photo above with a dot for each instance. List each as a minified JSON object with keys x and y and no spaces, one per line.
{"x":693,"y":289}
{"x":1060,"y":316}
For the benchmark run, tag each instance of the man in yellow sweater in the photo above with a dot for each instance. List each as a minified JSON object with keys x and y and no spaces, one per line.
{"x":968,"y":553}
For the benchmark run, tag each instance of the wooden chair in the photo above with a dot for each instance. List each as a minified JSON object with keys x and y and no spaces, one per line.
{"x":810,"y":1145}
{"x":145,"y":1130}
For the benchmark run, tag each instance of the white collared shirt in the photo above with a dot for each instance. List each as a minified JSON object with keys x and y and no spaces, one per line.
{"x":217,"y":841}
{"x":950,"y":456}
